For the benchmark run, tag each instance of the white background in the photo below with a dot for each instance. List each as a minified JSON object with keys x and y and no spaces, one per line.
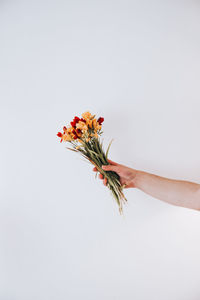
{"x":137,"y":64}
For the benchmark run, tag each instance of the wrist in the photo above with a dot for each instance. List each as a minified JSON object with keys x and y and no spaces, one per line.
{"x":136,"y":178}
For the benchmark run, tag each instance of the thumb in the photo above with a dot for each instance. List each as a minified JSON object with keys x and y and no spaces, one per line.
{"x":109,"y":168}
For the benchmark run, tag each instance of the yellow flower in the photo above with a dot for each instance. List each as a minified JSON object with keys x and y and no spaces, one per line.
{"x":89,"y":123}
{"x":66,"y":137}
{"x":79,"y":134}
{"x":87,"y":115}
{"x":82,"y":126}
{"x":69,"y":130}
{"x":94,"y":123}
{"x":95,"y":134}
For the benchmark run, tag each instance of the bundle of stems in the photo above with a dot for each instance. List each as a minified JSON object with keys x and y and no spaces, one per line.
{"x":93,"y":151}
{"x":83,"y":135}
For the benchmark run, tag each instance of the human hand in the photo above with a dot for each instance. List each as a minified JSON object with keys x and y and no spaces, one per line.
{"x":127,"y":175}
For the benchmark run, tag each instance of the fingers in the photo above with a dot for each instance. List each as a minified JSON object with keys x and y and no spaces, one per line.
{"x":107,"y":168}
{"x":112,"y":162}
{"x":110,"y":168}
{"x":105,"y":181}
{"x":101,"y":176}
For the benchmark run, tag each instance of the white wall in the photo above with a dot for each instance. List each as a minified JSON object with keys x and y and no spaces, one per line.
{"x":136,"y":63}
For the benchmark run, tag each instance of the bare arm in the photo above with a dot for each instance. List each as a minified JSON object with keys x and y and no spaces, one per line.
{"x":176,"y":192}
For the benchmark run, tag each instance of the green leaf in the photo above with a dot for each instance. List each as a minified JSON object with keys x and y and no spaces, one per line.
{"x":108,"y":149}
{"x":94,"y":152}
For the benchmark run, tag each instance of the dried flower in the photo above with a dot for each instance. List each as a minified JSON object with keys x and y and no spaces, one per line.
{"x":83,"y":135}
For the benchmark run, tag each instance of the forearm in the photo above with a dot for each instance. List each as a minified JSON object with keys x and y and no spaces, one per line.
{"x":176,"y":192}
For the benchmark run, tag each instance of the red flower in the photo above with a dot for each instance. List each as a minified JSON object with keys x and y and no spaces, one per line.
{"x":100,"y":120}
{"x":82,"y":120}
{"x":59,"y":134}
{"x":73,"y":124}
{"x":76,"y":120}
{"x":75,"y":135}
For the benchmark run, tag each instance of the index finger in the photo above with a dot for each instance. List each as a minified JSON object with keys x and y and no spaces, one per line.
{"x":112,"y":162}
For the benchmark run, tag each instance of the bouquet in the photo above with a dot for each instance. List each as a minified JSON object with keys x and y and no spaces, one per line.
{"x":83,"y":134}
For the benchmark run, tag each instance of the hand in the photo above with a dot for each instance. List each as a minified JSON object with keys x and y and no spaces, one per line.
{"x":127,"y":175}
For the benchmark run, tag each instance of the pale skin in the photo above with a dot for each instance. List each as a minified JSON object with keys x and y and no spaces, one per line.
{"x":176,"y":192}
